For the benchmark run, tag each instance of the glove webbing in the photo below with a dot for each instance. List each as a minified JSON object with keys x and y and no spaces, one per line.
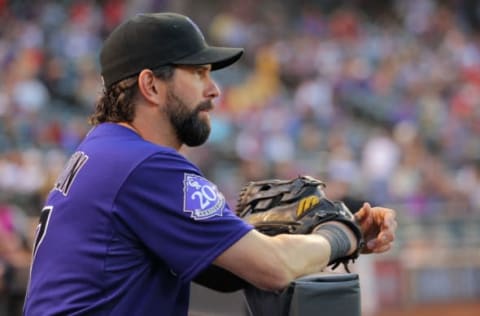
{"x":283,"y":194}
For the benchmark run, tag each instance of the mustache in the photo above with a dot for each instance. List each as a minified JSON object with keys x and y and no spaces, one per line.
{"x":204,"y":106}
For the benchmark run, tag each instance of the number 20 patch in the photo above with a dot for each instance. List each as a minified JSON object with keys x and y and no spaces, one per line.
{"x":201,"y":198}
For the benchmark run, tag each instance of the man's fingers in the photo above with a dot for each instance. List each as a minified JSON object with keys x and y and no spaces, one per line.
{"x":392,"y":224}
{"x":384,"y":238}
{"x":379,"y":227}
{"x":363,"y":212}
{"x":371,"y":244}
{"x":364,"y":216}
{"x":389,"y":227}
{"x":376,"y":246}
{"x":382,"y":249}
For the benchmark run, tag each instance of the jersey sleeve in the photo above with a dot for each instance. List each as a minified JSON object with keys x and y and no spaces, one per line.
{"x":180,"y":216}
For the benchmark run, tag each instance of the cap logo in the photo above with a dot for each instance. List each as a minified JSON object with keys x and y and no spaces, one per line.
{"x":196,"y":28}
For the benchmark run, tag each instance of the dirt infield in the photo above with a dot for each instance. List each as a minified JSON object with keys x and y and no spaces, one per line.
{"x":443,"y":309}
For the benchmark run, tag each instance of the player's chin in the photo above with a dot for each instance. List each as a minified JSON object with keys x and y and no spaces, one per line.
{"x":204,"y":114}
{"x":204,"y":117}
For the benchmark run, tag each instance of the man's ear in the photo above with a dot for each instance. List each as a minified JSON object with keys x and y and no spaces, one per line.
{"x":152,"y":89}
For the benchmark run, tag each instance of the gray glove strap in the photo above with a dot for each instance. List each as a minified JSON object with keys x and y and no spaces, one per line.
{"x":339,"y":242}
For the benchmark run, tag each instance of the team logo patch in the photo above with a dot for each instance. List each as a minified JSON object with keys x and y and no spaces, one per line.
{"x":201,"y":197}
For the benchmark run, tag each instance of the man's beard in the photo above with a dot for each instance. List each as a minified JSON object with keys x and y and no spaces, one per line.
{"x":189,"y":128}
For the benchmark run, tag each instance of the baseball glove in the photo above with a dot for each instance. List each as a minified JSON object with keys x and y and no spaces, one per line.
{"x":294,"y":206}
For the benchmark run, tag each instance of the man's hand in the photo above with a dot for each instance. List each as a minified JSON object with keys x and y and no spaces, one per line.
{"x":378,"y":226}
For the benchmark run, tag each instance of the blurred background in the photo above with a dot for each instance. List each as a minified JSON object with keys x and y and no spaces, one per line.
{"x":380,"y":99}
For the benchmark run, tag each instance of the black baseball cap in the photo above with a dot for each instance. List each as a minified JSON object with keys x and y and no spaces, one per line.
{"x":151,"y":40}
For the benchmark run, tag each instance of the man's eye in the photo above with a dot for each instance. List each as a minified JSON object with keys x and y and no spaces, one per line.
{"x":202,"y":71}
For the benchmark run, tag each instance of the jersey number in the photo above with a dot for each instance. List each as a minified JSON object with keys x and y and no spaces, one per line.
{"x":42,"y":227}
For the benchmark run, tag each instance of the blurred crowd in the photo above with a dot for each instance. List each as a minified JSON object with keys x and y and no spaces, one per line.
{"x":378,"y":98}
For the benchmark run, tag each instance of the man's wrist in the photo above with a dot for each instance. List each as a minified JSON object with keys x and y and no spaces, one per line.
{"x":341,"y":239}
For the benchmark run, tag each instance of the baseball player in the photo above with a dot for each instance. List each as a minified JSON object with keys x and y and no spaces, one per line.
{"x":130,"y":222}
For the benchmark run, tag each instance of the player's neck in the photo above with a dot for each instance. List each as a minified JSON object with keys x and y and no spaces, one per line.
{"x":157,"y":138}
{"x":131,"y":127}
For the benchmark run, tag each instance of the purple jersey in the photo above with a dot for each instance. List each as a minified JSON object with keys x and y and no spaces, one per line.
{"x":126,"y":228}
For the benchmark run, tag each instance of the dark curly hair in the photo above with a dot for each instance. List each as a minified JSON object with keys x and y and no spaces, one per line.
{"x":117,"y":102}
